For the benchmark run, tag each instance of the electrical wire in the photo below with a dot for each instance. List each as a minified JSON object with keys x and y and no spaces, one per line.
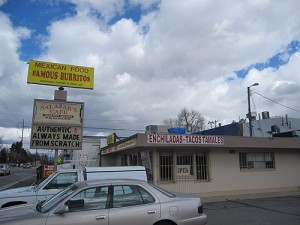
{"x":296,"y":110}
{"x":104,"y":128}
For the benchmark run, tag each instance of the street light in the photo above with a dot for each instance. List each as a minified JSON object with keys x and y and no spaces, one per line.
{"x":249,"y":108}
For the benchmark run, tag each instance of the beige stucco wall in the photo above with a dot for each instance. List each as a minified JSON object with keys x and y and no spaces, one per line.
{"x":227,"y":178}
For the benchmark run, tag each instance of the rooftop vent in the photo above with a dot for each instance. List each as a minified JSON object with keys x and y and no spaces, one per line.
{"x":265,"y":115}
{"x":275,"y":129}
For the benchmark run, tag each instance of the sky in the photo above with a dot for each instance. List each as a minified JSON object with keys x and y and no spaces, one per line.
{"x":151,"y":59}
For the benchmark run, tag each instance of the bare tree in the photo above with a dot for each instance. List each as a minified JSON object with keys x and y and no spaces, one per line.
{"x":192,"y":120}
{"x":170,"y":122}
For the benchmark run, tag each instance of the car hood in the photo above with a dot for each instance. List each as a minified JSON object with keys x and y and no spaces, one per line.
{"x":20,"y":212}
{"x":14,"y":192}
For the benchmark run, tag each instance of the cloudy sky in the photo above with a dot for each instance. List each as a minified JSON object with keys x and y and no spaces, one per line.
{"x":151,"y":59}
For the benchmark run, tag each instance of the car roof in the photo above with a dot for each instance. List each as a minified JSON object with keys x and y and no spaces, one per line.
{"x":90,"y":183}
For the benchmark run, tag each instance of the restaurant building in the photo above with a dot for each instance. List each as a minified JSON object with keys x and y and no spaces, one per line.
{"x":211,"y":165}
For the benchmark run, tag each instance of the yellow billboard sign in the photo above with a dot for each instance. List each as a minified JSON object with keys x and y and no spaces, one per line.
{"x":63,"y":75}
{"x":111,"y":139}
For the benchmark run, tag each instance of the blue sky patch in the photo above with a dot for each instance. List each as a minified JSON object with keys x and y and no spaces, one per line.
{"x":275,"y":61}
{"x":36,"y":16}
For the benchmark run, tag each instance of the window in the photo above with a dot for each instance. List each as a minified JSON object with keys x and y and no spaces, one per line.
{"x":62,"y":180}
{"x":184,"y":166}
{"x":89,"y":199}
{"x":257,"y":160}
{"x":130,"y":195}
{"x":166,"y":166}
{"x":142,"y":158}
{"x":192,"y":165}
{"x":147,"y":198}
{"x":201,"y":166}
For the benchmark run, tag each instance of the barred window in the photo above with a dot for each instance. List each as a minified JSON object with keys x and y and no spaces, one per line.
{"x":188,"y":166}
{"x":184,"y":165}
{"x":257,"y":160}
{"x":201,"y":166}
{"x":166,"y":166}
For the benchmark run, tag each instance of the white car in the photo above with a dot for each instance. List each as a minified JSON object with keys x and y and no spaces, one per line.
{"x":110,"y":202}
{"x":4,"y":169}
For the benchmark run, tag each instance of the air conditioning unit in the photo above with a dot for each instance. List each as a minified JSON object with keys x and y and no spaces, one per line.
{"x":154,"y":129}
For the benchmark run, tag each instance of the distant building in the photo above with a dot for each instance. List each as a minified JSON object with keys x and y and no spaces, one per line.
{"x":263,"y":127}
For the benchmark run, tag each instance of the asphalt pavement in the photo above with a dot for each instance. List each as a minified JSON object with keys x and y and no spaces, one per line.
{"x":283,"y":210}
{"x":18,"y":177}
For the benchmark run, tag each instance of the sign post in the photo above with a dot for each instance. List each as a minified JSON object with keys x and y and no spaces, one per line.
{"x":59,"y":94}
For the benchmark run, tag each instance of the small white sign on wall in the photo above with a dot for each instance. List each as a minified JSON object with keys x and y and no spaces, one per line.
{"x":183,"y":170}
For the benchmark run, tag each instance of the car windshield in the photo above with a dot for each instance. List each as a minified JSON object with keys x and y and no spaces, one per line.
{"x":163,"y":191}
{"x":60,"y":196}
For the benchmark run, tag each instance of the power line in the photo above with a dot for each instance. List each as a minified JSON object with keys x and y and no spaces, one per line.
{"x":120,"y":129}
{"x":278,"y":103}
{"x":11,"y":112}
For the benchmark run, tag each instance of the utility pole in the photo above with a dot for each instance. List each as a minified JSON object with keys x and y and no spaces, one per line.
{"x":22,"y":132}
{"x":23,"y":126}
{"x":249,"y":108}
{"x":210,"y":123}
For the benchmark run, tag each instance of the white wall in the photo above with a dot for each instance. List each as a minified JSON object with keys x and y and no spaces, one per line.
{"x":89,"y":155}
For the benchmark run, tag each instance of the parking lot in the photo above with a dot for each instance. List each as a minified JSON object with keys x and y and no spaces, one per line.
{"x":263,"y":211}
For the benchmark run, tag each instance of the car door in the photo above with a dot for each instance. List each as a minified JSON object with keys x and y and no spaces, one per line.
{"x":133,"y":205}
{"x":87,"y":207}
{"x":59,"y":182}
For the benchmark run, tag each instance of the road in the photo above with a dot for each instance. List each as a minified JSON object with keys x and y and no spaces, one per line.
{"x":18,"y":177}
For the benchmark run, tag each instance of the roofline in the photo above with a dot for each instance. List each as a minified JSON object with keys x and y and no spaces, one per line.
{"x":139,"y":141}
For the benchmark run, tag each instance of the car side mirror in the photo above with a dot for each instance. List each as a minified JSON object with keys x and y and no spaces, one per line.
{"x":62,"y":210}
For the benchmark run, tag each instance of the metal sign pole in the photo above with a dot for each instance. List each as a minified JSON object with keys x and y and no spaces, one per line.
{"x":61,"y":95}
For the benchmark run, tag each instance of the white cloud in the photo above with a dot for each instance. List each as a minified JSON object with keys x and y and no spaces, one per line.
{"x":122,"y":80}
{"x":182,"y":55}
{"x":2,"y":2}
